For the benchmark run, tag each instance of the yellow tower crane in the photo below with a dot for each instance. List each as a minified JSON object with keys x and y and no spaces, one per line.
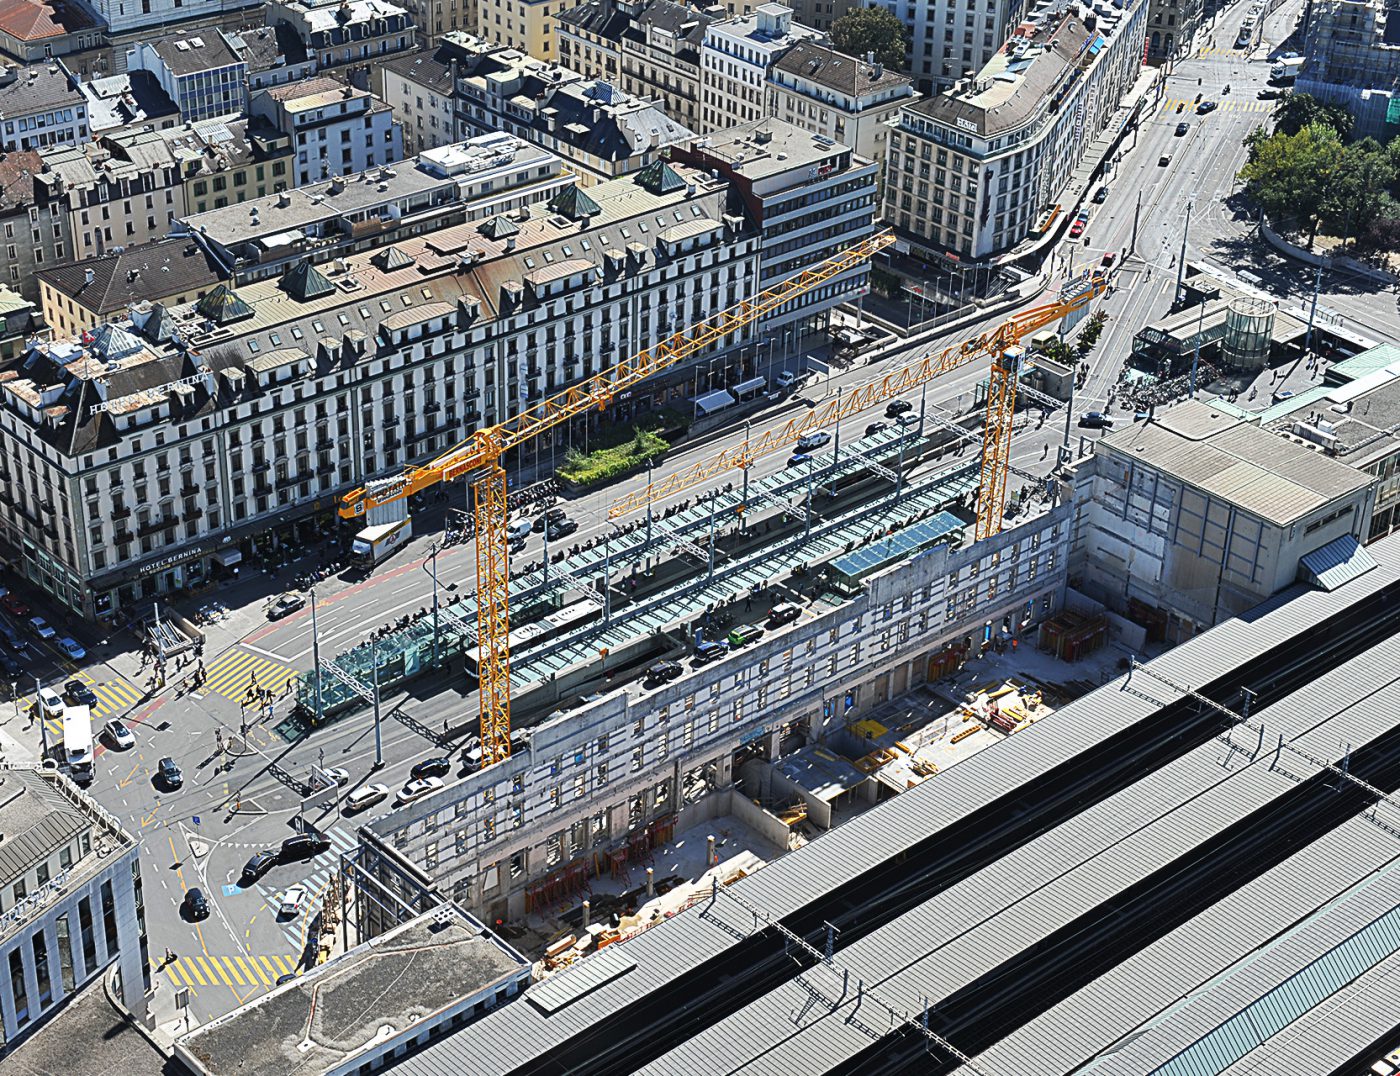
{"x":1000,"y":343}
{"x":480,"y":456}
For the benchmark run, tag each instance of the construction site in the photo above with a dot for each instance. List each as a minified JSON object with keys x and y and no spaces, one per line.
{"x":735,"y":671}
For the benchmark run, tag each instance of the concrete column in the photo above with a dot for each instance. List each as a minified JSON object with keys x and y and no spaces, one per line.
{"x":709,"y":851}
{"x":587,"y":912}
{"x":7,"y":1001}
{"x":55,"y":967}
{"x":651,"y":882}
{"x":773,"y":743}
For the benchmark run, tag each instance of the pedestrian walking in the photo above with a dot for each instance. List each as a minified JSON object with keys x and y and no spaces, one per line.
{"x":169,"y":955}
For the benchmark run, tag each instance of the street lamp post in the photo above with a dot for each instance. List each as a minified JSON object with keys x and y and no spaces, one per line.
{"x":374,"y":674}
{"x":432,"y":573}
{"x":43,"y":721}
{"x":648,"y":517}
{"x":315,"y":656}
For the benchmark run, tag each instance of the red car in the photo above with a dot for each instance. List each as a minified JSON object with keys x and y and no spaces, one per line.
{"x":14,"y":605}
{"x":1077,"y":228}
{"x":1108,"y":259}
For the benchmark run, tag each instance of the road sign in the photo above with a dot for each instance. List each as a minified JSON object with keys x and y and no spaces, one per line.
{"x":196,"y":820}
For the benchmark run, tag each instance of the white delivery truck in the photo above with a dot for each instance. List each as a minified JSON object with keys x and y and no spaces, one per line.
{"x":77,"y":741}
{"x":373,"y":544}
{"x":1285,"y":72}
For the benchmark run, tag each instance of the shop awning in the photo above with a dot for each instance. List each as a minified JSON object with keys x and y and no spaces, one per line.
{"x":227,"y":558}
{"x":711,"y":402}
{"x":753,"y":384}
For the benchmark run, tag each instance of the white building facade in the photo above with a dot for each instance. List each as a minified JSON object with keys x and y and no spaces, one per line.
{"x":337,"y":129}
{"x":177,"y":460}
{"x":735,"y":58}
{"x":71,"y":903}
{"x":971,"y":171}
{"x":954,"y":38}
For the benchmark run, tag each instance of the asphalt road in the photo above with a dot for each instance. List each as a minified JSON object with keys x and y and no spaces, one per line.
{"x":242,"y":947}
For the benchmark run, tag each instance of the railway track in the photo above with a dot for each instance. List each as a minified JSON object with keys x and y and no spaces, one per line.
{"x":1087,"y":947}
{"x":716,"y":988}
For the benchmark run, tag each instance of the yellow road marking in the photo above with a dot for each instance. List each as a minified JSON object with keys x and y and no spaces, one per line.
{"x":219,"y":970}
{"x":191,"y":971}
{"x":208,"y":971}
{"x":251,"y":975}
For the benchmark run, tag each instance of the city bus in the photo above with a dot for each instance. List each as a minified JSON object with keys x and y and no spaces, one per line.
{"x":77,"y":741}
{"x":557,"y":623}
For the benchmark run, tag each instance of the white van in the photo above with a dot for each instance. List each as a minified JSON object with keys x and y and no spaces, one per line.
{"x":519,"y":529}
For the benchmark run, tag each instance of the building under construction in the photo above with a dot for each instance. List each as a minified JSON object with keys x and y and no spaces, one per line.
{"x":872,"y":551}
{"x":1192,"y":870}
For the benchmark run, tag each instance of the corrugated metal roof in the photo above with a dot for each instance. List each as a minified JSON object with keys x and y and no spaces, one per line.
{"x":585,"y":976}
{"x":1260,"y":472}
{"x":1049,"y":882}
{"x":1339,"y":561}
{"x":517,"y":1033}
{"x":1111,"y":1017}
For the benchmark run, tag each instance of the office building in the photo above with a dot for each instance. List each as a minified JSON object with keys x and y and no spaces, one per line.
{"x":33,"y":226}
{"x":335,"y":128}
{"x":650,"y":49}
{"x":420,"y":88}
{"x":955,"y":39}
{"x":596,"y":128}
{"x":353,"y":34}
{"x":1171,"y":27}
{"x":117,"y":190}
{"x":227,"y":161}
{"x":735,"y":58}
{"x":526,"y":25}
{"x":202,"y":73}
{"x":118,"y":103}
{"x":71,"y":904}
{"x":490,"y":176}
{"x":848,"y":100}
{"x":41,"y":106}
{"x":970,"y":172}
{"x":172,"y":440}
{"x":81,"y":296}
{"x":1195,"y":515}
{"x":36,"y":31}
{"x":275,"y":55}
{"x":807,"y":196}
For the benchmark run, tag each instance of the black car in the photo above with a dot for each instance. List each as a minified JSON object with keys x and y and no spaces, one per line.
{"x":196,"y":904}
{"x":661,"y":671}
{"x":9,"y":667}
{"x":561,"y":528}
{"x":15,"y":641}
{"x":1182,"y":128}
{"x":1095,"y":420}
{"x":304,"y":846}
{"x":168,"y":774}
{"x":257,"y":866}
{"x":79,"y":694}
{"x":876,"y":427}
{"x":431,"y":767}
{"x":553,"y":517}
{"x":711,"y":651}
{"x":895,"y":408}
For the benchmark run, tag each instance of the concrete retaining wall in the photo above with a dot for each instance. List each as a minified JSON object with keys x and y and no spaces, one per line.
{"x":1346,"y":264}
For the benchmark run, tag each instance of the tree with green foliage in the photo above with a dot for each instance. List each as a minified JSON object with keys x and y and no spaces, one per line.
{"x":1289,"y":174}
{"x":1298,"y":110}
{"x":1357,"y":194}
{"x":871,"y":29}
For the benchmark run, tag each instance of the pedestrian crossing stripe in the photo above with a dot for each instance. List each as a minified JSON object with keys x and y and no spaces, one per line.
{"x":317,"y":885}
{"x":114,"y":696}
{"x":247,"y":970}
{"x":1217,"y":51}
{"x":1169,"y":107}
{"x":233,"y":674}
